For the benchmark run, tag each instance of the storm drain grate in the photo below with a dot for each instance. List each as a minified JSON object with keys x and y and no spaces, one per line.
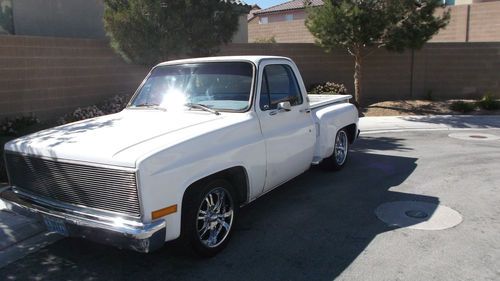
{"x":474,"y":136}
{"x":418,"y":215}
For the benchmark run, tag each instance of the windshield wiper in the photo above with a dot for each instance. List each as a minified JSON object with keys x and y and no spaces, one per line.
{"x":202,"y":107}
{"x":149,"y":105}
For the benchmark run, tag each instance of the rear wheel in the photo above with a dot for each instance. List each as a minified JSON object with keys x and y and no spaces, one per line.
{"x":340,"y":151}
{"x":209,"y":217}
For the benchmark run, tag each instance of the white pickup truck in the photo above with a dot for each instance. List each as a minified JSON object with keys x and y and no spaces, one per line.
{"x":200,"y":138}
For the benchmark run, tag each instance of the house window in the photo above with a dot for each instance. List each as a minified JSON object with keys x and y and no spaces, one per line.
{"x":263,"y":20}
{"x":289,"y":17}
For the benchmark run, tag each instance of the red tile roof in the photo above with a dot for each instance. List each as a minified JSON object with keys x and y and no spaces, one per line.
{"x":290,"y":5}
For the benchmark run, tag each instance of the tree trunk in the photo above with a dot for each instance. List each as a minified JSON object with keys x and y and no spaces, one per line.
{"x":358,"y":60}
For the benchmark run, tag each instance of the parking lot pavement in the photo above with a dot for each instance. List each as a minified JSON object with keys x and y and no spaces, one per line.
{"x":322,"y":225}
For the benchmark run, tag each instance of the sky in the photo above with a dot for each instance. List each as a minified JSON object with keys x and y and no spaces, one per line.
{"x":265,"y":3}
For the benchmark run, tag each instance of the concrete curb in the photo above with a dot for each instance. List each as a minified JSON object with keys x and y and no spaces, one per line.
{"x":385,"y":124}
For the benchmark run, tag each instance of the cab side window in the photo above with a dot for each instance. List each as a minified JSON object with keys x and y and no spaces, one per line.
{"x":279,"y":84}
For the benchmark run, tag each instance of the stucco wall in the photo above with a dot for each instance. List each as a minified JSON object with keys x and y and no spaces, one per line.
{"x":241,"y":36}
{"x":59,"y":18}
{"x":283,"y":31}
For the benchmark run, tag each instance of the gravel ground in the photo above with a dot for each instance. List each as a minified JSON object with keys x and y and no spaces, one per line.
{"x":419,"y":107}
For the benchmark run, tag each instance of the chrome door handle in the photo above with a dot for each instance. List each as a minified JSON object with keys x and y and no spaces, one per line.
{"x":306,"y":110}
{"x":274,"y":112}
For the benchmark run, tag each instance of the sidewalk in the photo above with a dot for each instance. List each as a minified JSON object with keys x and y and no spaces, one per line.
{"x":419,"y":123}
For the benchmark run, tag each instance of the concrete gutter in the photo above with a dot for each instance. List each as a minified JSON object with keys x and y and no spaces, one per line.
{"x":371,"y":125}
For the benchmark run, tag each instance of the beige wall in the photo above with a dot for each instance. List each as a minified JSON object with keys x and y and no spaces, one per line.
{"x":51,"y":76}
{"x":479,"y":22}
{"x":241,"y":36}
{"x":283,"y":31}
{"x":449,"y":70}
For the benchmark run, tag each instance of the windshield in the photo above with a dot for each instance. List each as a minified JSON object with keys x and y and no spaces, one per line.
{"x":214,"y":85}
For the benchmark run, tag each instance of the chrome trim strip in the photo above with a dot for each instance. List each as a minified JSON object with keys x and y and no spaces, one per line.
{"x":76,"y":162}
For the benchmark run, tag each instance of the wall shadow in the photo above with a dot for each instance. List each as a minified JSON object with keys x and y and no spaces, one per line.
{"x":311,"y":228}
{"x":463,"y":121}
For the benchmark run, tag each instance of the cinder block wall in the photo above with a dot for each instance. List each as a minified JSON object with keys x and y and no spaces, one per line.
{"x":448,"y":70}
{"x":52,"y":76}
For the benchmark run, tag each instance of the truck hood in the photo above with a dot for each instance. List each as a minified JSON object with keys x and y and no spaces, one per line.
{"x":100,"y":140}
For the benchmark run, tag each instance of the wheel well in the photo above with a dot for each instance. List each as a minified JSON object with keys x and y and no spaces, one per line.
{"x":351,"y":132}
{"x":237,"y":176}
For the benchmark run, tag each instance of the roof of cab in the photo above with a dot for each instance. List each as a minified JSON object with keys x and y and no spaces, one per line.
{"x":254,"y":59}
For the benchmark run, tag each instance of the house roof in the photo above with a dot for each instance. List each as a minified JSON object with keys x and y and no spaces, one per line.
{"x":290,"y":5}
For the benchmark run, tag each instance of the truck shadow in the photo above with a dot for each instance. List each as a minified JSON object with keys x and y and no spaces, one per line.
{"x":311,"y":228}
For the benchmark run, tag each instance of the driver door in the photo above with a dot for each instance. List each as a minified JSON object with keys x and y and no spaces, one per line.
{"x":289,"y":133}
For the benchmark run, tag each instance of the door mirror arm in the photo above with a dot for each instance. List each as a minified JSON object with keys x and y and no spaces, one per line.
{"x":284,"y":106}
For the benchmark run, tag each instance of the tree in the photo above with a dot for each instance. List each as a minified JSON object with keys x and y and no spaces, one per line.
{"x":361,"y":26}
{"x":150,"y":31}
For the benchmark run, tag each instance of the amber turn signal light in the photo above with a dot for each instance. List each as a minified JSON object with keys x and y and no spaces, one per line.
{"x":163,"y":212}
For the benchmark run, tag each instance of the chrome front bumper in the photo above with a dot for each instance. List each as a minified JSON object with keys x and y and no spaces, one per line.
{"x":111,"y":230}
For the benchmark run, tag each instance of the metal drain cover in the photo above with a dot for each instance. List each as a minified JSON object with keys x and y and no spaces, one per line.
{"x":418,"y":215}
{"x":474,"y":136}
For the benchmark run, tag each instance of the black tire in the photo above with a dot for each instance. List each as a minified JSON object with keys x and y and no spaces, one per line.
{"x":334,"y":162}
{"x":194,"y":201}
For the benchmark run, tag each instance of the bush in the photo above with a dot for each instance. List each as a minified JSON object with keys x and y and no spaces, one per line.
{"x":12,"y":127}
{"x":488,"y":102}
{"x":463,"y":107}
{"x":113,"y":105}
{"x":329,"y":88}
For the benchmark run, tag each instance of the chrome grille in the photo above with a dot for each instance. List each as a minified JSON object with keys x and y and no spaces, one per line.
{"x":89,"y":186}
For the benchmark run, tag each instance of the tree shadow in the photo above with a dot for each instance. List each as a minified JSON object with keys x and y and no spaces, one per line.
{"x":369,"y":143}
{"x":63,"y":134}
{"x":311,"y":228}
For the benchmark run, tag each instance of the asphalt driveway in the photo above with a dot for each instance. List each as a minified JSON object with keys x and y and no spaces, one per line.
{"x":322,"y":226}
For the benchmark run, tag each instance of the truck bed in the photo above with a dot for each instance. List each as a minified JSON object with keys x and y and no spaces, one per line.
{"x":317,"y":101}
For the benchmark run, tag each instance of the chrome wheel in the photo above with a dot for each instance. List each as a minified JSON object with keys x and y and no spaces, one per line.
{"x":215,"y":217}
{"x":341,"y":146}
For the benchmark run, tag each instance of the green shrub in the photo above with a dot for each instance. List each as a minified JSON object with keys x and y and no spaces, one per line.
{"x":463,"y":107}
{"x":112,"y":105}
{"x":488,"y":102}
{"x":329,"y":88}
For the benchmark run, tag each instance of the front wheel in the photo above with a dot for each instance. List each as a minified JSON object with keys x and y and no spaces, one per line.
{"x":209,"y":216}
{"x":340,"y":151}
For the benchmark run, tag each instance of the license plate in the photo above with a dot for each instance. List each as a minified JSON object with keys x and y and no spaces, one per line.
{"x":55,"y":225}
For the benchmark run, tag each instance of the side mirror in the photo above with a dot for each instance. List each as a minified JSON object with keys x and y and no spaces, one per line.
{"x":285,"y":106}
